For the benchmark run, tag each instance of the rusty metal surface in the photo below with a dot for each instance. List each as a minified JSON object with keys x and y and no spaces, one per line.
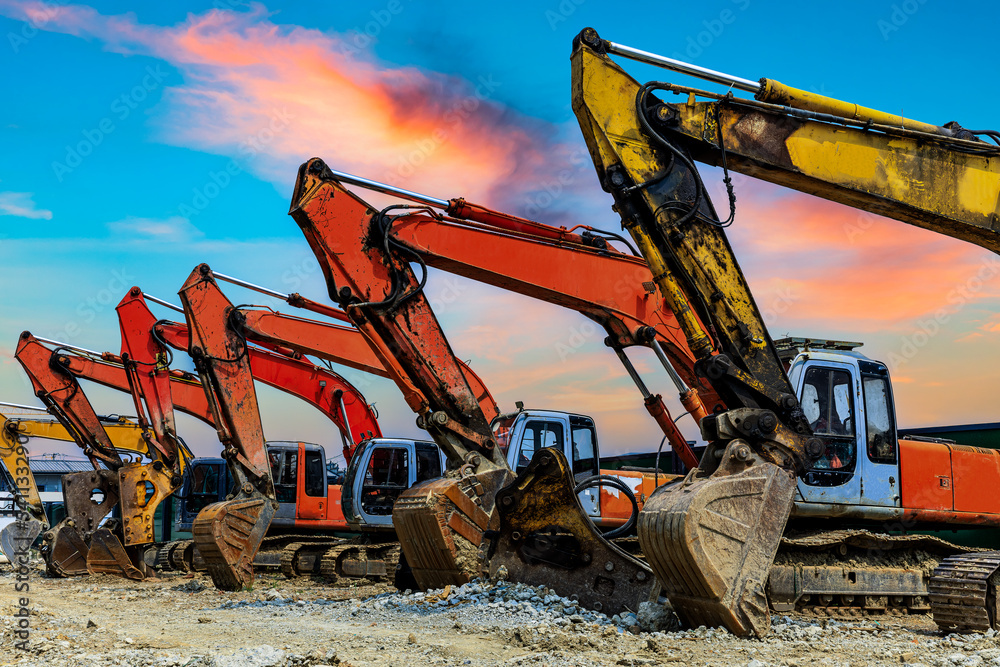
{"x":440,"y":526}
{"x":846,"y":586}
{"x":875,"y":542}
{"x":108,"y":556}
{"x":65,"y":551}
{"x":228,"y":535}
{"x":546,"y":538}
{"x":137,"y":504}
{"x":377,"y":562}
{"x":963,"y":592}
{"x":81,"y":491}
{"x":301,"y":559}
{"x":711,"y":540}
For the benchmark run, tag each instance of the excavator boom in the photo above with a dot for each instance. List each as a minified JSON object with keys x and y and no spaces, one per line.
{"x":228,"y":534}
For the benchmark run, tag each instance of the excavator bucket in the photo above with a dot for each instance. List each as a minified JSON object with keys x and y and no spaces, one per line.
{"x":228,"y":536}
{"x":711,"y":540}
{"x":108,"y":556}
{"x":66,"y":551}
{"x":89,"y":497}
{"x":546,"y":538}
{"x":17,"y":537}
{"x":441,"y":525}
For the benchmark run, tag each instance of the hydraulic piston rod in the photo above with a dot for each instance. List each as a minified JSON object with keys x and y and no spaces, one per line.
{"x":684,"y":68}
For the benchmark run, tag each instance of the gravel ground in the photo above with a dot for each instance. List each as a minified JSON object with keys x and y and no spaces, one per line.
{"x":181,"y":620}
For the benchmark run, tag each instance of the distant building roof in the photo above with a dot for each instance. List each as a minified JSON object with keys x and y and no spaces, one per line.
{"x":57,"y":466}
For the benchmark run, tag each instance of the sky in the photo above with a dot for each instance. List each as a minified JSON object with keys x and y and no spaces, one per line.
{"x":138,"y":142}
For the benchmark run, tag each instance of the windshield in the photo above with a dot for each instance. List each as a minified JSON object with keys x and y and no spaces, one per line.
{"x":827,"y":404}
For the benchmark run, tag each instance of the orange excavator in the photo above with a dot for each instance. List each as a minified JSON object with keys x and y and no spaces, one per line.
{"x":442,"y":523}
{"x":582,"y":272}
{"x":367,"y":502}
{"x":142,"y":370}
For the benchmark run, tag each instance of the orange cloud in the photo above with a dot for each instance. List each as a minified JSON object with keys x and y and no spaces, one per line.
{"x":819,"y":264}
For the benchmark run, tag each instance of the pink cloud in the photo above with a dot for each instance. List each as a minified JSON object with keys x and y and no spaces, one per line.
{"x":275,"y":95}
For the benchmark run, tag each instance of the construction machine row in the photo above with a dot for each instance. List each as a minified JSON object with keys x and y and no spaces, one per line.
{"x":796,"y":502}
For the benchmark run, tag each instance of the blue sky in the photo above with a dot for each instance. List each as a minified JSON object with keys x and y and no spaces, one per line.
{"x":161,"y":116}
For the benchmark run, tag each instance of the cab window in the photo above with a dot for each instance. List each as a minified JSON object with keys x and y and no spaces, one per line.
{"x":387,"y":476}
{"x":881,"y":443}
{"x":827,"y":403}
{"x":284,"y":472}
{"x":428,"y":462}
{"x":538,"y":434}
{"x":204,"y":487}
{"x":314,"y":475}
{"x":584,"y":437}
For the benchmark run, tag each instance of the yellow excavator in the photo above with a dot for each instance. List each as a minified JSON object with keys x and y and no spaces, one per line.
{"x":20,"y":423}
{"x":711,"y":539}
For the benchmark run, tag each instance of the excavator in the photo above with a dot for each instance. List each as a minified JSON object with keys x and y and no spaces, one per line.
{"x":720,"y":581}
{"x":545,"y":263}
{"x":448,"y":527}
{"x":711,"y":539}
{"x":15,"y":431}
{"x":81,"y":543}
{"x":147,"y":340}
{"x":385,"y":467}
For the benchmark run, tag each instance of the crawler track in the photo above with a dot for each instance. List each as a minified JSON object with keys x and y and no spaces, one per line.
{"x":963,"y":592}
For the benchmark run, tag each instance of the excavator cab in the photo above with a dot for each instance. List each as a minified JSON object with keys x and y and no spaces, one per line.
{"x":380,"y":470}
{"x":847,"y":400}
{"x":207,"y":481}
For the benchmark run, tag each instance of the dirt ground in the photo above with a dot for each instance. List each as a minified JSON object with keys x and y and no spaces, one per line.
{"x":181,"y":620}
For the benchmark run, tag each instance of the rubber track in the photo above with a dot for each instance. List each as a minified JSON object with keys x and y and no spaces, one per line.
{"x":963,"y":597}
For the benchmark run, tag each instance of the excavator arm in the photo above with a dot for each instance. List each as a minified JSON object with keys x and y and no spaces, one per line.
{"x":228,"y":534}
{"x":440,"y":523}
{"x":542,"y":536}
{"x":711,"y":539}
{"x":582,"y":273}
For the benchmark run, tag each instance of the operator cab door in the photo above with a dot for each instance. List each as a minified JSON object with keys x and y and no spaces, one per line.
{"x":830,"y":397}
{"x":880,"y":462}
{"x":284,"y":461}
{"x":311,"y":472}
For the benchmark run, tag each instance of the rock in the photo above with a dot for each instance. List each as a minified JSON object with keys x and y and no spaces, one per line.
{"x":411,"y":638}
{"x":206,"y":619}
{"x":262,"y":656}
{"x":654,"y":617}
